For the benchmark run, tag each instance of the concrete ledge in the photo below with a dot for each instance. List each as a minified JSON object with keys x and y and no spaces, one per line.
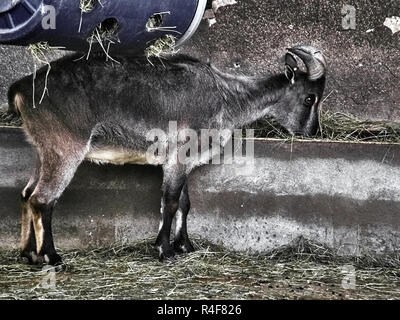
{"x":345,"y":195}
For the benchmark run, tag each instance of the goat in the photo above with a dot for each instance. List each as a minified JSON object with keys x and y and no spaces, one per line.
{"x":102,"y":112}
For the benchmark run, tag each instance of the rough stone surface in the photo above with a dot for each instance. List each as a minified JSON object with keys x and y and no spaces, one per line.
{"x":251,"y":37}
{"x":344,"y":195}
{"x":364,"y":70}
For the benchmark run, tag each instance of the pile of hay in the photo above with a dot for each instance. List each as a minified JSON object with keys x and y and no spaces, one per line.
{"x":88,"y":5}
{"x":303,"y":270}
{"x":161,"y":47}
{"x":336,"y":127}
{"x":42,"y":53}
{"x":104,"y":34}
{"x":9,"y":119}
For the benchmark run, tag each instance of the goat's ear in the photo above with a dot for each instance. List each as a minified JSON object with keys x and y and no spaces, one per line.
{"x":290,"y":67}
{"x":290,"y":74}
{"x":290,"y":60}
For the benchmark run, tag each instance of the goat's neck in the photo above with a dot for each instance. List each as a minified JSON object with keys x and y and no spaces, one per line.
{"x":250,"y":99}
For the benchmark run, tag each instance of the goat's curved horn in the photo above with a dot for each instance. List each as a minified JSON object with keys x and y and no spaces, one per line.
{"x":313,"y":59}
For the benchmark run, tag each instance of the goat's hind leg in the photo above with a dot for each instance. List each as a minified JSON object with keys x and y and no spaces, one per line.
{"x":55,"y":175}
{"x":182,"y":243}
{"x":28,"y":241}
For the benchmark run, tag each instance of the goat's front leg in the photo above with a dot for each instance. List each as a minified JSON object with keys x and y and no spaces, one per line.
{"x":173,"y":181}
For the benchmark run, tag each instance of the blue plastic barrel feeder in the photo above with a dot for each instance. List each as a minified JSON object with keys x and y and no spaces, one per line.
{"x":136,"y":23}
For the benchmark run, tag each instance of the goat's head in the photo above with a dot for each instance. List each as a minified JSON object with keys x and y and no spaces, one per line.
{"x":297,"y":108}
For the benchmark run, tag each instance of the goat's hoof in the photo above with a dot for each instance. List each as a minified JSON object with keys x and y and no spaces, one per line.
{"x":32,"y":257}
{"x":53,"y":259}
{"x":166,"y":255}
{"x":183,"y":247}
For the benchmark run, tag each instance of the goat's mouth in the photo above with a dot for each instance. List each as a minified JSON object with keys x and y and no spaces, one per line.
{"x":272,"y":128}
{"x":280,"y":128}
{"x":306,"y":132}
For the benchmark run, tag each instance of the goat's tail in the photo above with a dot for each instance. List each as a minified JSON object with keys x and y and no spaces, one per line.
{"x":15,"y":99}
{"x":15,"y":104}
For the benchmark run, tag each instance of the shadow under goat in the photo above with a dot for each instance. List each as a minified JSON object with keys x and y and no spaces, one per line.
{"x":103,"y":112}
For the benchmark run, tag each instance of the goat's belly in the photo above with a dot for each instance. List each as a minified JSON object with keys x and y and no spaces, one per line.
{"x":115,"y":156}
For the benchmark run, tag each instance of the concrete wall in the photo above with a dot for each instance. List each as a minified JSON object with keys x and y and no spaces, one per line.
{"x":251,"y":36}
{"x":364,"y":69}
{"x":342,"y":194}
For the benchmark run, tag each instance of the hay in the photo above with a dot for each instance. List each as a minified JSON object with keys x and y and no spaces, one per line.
{"x":342,"y":127}
{"x":105,"y":34}
{"x":303,"y":270}
{"x":336,"y":127}
{"x":161,"y":47}
{"x":9,"y":119}
{"x":88,"y":5}
{"x":40,"y":52}
{"x":155,"y":23}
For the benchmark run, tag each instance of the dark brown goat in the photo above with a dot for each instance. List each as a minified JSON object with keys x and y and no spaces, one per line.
{"x":103,"y":112}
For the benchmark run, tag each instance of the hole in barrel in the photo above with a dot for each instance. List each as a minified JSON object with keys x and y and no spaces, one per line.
{"x":156,"y":20}
{"x":107,"y":30}
{"x":109,"y":26}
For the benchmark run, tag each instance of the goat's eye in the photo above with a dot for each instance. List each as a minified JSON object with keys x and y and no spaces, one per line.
{"x":310,"y":100}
